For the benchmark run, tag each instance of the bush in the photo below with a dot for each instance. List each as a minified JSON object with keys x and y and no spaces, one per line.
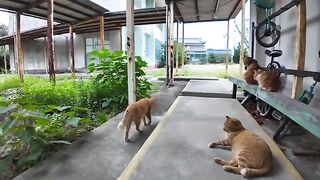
{"x":39,"y":117}
{"x":236,"y":55}
{"x":218,"y":57}
{"x":211,"y":58}
{"x":111,"y":76}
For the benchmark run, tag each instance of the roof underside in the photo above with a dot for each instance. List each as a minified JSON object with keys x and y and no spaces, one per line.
{"x":190,"y":11}
{"x":64,"y":10}
{"x":113,"y":21}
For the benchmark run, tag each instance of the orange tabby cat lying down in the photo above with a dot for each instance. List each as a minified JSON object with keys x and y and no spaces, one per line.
{"x":252,"y":155}
{"x":268,"y":80}
{"x":251,"y":65}
{"x":134,"y":113}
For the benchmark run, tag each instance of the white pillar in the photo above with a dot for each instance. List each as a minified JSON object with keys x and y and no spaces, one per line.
{"x":242,"y":36}
{"x":227,"y":54}
{"x":182,"y":57}
{"x":5,"y":60}
{"x":177,"y":50}
{"x":131,"y":55}
{"x":171,"y":24}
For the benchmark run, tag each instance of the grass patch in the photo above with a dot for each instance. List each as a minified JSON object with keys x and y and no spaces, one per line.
{"x":156,"y":86}
{"x":208,"y":70}
{"x":9,"y":81}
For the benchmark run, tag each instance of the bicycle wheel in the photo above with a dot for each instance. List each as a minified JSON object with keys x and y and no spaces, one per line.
{"x":263,"y":108}
{"x":268,"y":38}
{"x":274,"y":65}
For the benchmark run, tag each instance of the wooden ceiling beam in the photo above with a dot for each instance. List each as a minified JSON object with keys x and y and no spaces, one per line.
{"x":31,"y":5}
{"x":197,"y":9}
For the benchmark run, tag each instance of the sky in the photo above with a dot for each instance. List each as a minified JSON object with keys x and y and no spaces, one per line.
{"x":4,"y":18}
{"x":213,"y":33}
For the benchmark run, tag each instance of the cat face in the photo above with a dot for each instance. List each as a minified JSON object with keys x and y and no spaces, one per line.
{"x":232,"y":125}
{"x":256,"y":74}
{"x":249,"y":61}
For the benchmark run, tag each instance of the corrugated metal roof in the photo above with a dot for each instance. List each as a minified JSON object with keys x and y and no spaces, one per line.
{"x":65,"y":11}
{"x":190,"y":11}
{"x":113,"y":21}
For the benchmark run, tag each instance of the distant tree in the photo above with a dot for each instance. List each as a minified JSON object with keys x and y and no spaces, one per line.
{"x":236,"y":55}
{"x":3,"y":30}
{"x":218,"y":57}
{"x":211,"y":58}
{"x":176,"y":47}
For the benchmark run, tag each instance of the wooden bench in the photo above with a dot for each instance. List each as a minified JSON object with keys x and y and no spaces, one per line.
{"x":304,"y":115}
{"x":178,"y":147}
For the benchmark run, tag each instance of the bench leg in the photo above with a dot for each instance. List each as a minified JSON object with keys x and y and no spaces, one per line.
{"x":283,"y":124}
{"x":247,"y":98}
{"x":285,"y":129}
{"x":234,"y":91}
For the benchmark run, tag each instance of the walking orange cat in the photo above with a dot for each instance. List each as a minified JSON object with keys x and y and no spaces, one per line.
{"x":135,"y":112}
{"x":252,"y":155}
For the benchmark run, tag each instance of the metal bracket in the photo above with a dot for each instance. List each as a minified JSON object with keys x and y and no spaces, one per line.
{"x":298,"y":73}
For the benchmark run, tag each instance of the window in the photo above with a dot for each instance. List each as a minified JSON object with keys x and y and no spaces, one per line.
{"x":158,"y":51}
{"x":148,"y":46}
{"x":160,"y":26}
{"x":91,"y":45}
{"x":149,"y":4}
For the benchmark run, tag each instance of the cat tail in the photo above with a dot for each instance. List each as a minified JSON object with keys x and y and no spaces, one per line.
{"x":120,"y":125}
{"x":123,"y":122}
{"x":248,"y":172}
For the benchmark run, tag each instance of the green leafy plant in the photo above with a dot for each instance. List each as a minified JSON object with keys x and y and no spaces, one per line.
{"x":22,"y":136}
{"x":111,"y":76}
{"x":38,"y":117}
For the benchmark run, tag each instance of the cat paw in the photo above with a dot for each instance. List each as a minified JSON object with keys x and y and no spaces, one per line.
{"x":211,"y":145}
{"x":126,"y":140}
{"x":243,"y":172}
{"x":227,"y":168}
{"x":140,"y":131}
{"x":217,"y":160}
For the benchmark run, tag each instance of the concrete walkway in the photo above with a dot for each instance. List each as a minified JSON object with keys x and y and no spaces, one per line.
{"x":221,"y":88}
{"x":188,"y":78}
{"x":102,"y":154}
{"x":178,"y":147}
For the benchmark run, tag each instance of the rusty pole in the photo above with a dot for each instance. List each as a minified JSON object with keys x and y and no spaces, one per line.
{"x":50,"y":47}
{"x":131,"y":54}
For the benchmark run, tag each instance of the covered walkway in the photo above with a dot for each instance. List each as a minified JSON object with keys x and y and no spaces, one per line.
{"x":178,"y":147}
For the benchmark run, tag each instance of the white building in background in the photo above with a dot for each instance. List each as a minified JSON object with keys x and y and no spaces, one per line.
{"x":148,"y":40}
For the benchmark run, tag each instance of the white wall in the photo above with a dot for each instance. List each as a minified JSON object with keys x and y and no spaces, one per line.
{"x":288,"y":22}
{"x":34,"y":51}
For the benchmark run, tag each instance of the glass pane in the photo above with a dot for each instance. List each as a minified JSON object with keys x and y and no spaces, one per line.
{"x":88,"y":41}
